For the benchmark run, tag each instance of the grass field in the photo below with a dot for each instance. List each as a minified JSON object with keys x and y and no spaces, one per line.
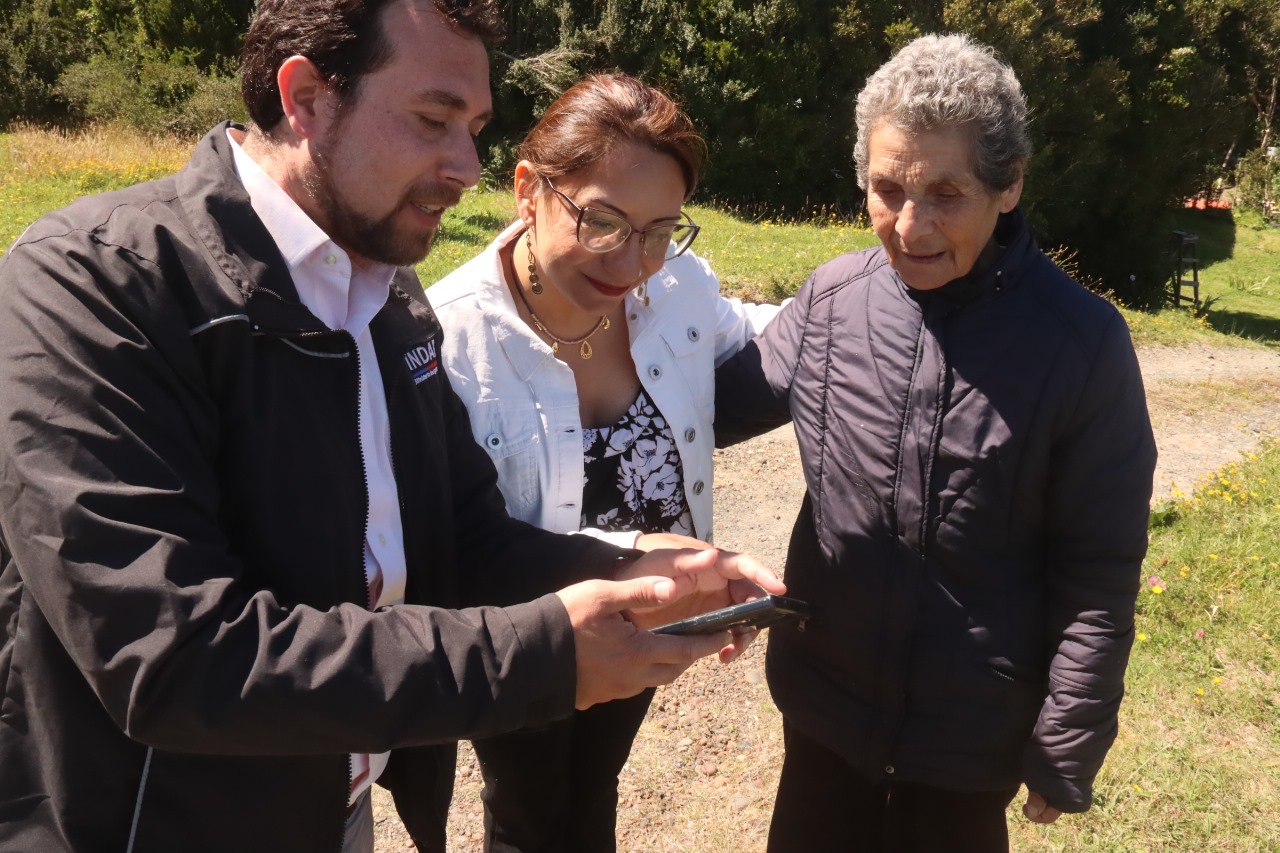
{"x":1197,"y":763}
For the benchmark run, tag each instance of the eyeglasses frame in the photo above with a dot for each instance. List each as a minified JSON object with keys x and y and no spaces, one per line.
{"x":686,"y":221}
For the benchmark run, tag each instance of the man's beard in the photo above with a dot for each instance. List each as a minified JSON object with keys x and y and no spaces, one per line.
{"x":374,"y":238}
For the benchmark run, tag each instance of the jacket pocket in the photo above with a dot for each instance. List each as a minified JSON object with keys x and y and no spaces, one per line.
{"x":512,"y":436}
{"x":692,"y":358}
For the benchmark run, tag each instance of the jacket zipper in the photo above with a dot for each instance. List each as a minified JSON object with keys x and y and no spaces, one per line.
{"x":364,"y":568}
{"x":137,"y":806}
{"x":342,"y":830}
{"x":364,"y":472}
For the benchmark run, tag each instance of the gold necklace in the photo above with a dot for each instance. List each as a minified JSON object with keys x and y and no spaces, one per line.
{"x":584,"y":342}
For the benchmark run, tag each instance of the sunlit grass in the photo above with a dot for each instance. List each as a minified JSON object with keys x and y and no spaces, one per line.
{"x":42,"y":170}
{"x":1240,"y":273}
{"x":1197,"y":763}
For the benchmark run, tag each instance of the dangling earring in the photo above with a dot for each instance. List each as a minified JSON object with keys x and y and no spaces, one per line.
{"x":642,"y":292}
{"x":534,"y":284}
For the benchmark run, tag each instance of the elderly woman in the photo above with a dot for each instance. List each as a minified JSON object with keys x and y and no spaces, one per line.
{"x":978,"y":460}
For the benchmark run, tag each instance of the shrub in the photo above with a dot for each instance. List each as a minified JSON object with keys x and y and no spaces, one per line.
{"x":1258,"y":180}
{"x":150,"y":93}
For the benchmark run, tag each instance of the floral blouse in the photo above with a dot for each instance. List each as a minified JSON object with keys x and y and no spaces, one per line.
{"x":632,"y":474}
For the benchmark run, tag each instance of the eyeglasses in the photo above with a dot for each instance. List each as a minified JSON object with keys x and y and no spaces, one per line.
{"x":600,"y":231}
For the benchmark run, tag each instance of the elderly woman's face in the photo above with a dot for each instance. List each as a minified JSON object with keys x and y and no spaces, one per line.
{"x":932,"y":214}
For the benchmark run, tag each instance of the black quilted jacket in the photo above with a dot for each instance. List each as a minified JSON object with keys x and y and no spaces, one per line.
{"x":979,"y":463}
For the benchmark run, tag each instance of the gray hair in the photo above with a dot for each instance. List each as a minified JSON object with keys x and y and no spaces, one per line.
{"x":947,"y":81}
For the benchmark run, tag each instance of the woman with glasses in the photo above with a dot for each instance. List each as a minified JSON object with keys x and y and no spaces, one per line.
{"x":583,"y":341}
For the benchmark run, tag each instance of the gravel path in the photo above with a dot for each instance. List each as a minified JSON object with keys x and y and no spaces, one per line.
{"x":703,"y":770}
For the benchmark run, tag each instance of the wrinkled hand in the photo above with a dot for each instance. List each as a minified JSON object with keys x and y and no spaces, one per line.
{"x":616,"y":658}
{"x":717,"y":578}
{"x":1037,"y":810}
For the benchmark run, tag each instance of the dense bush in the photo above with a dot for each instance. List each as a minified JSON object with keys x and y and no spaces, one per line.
{"x":1258,"y":181}
{"x":38,"y":39}
{"x":149,"y":92}
{"x":1136,"y":106}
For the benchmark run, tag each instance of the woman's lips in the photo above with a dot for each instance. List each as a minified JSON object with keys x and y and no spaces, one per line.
{"x":607,"y":289}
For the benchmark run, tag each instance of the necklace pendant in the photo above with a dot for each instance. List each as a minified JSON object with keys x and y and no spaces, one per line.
{"x":555,"y":347}
{"x":585,"y":350}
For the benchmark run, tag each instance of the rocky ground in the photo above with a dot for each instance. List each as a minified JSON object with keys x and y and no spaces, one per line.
{"x":703,"y":769}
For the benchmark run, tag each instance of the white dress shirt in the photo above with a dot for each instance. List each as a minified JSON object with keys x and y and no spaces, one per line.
{"x":346,"y":298}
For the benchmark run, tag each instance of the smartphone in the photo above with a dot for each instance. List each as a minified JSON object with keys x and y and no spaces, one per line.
{"x":760,"y":613}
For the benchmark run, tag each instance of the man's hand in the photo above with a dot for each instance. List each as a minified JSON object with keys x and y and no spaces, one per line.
{"x":616,"y":658}
{"x":708,"y":579}
{"x":1037,"y":810}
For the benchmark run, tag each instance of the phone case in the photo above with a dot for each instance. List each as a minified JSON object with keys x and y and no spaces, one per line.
{"x":760,"y":613}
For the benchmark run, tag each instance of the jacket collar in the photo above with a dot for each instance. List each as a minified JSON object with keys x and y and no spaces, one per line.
{"x":254,"y":273}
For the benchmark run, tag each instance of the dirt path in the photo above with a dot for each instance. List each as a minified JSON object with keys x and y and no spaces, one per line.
{"x":704,"y":767}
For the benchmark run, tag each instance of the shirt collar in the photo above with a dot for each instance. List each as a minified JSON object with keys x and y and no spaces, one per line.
{"x":326,"y":281}
{"x":295,"y":234}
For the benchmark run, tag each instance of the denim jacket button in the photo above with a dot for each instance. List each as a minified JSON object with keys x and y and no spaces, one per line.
{"x":690,"y":434}
{"x":694,"y":334}
{"x":493,"y":441}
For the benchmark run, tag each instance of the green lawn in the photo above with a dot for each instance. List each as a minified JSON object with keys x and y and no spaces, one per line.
{"x":1240,"y":272}
{"x":1196,"y":766}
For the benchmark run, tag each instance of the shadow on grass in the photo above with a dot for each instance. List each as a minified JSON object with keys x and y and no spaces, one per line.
{"x":1244,"y":324}
{"x":474,"y":229}
{"x":1216,"y":229}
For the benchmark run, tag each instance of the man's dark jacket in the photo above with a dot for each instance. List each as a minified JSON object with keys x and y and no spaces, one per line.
{"x":978,"y":461}
{"x":187,"y":657}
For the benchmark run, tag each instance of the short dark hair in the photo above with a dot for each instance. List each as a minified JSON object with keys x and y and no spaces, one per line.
{"x":344,"y":38}
{"x":593,"y":117}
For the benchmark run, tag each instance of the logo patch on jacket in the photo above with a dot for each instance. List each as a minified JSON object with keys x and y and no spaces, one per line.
{"x":422,"y":361}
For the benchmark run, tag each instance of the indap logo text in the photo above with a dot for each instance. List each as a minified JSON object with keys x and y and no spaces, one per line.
{"x":422,"y":361}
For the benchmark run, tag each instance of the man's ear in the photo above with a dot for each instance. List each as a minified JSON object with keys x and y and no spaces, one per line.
{"x":304,"y":96}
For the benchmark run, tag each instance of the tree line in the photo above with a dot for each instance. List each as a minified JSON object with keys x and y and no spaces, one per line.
{"x":1136,"y":104}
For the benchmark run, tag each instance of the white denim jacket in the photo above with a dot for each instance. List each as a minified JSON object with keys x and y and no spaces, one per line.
{"x":523,"y":400}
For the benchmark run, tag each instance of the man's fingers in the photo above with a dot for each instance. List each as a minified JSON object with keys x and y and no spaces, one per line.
{"x":707,"y":570}
{"x":682,"y":651}
{"x":734,"y":565}
{"x":741,"y":641}
{"x":634,"y":593}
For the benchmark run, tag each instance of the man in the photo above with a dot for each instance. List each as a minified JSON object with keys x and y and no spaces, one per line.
{"x":978,"y":459}
{"x":228,"y":456}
